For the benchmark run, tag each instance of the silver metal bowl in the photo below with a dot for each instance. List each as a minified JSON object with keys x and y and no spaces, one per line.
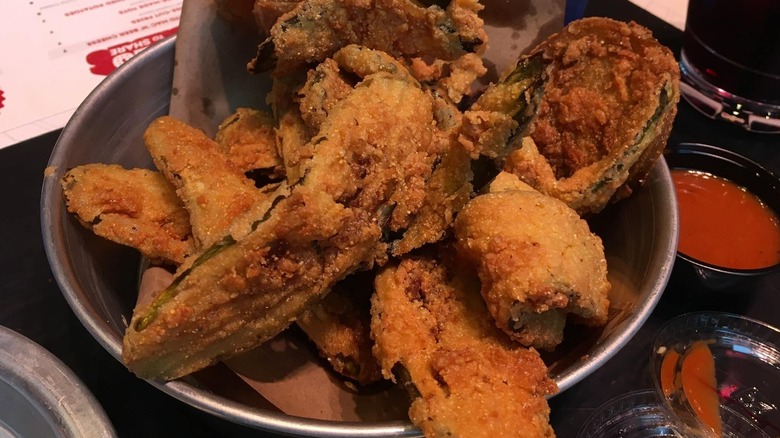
{"x":99,"y":279}
{"x":41,"y":397}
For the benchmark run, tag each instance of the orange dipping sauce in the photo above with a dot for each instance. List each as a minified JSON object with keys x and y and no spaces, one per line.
{"x":723,"y":224}
{"x":700,"y":386}
{"x":693,"y":373}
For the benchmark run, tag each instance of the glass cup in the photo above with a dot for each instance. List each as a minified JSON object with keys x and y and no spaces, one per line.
{"x":730,"y":61}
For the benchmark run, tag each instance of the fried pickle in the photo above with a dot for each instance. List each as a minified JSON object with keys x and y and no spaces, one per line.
{"x":466,"y":378}
{"x":132,"y":207}
{"x":605,"y":116}
{"x":213,"y":190}
{"x":537,"y":260}
{"x":447,"y":191}
{"x":324,"y":88}
{"x":371,"y":158}
{"x":503,"y":112}
{"x":316,"y":29}
{"x":339,"y":325}
{"x":293,"y":136}
{"x":248,"y":139}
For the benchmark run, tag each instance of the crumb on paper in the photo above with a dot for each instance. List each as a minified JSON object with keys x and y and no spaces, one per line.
{"x":49,"y":171}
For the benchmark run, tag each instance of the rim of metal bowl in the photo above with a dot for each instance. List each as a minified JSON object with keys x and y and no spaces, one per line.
{"x":51,"y":211}
{"x":56,"y":393}
{"x":662,"y":263}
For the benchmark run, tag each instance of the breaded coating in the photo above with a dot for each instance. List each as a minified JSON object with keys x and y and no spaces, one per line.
{"x":466,"y":378}
{"x":448,"y":190}
{"x":453,"y":78}
{"x":248,"y":139}
{"x":504,"y":110}
{"x":461,"y":75}
{"x":324,"y":87}
{"x":368,"y":168}
{"x":292,"y":134}
{"x":334,"y":78}
{"x":538,"y":262}
{"x":316,"y":29}
{"x":339,"y":325}
{"x":606,"y":114}
{"x":133,"y":207}
{"x":213,"y":190}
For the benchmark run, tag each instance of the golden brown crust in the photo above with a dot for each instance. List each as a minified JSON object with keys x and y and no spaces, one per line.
{"x":537,"y":261}
{"x":316,"y":29}
{"x":267,"y":12}
{"x":133,"y":207}
{"x":212,"y":189}
{"x":339,"y":325}
{"x":447,"y":191}
{"x":604,"y":87}
{"x":605,"y":116}
{"x":248,"y":139}
{"x":468,"y":380}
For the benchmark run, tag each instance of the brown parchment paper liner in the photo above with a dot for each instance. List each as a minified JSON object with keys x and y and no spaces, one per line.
{"x":210,"y":81}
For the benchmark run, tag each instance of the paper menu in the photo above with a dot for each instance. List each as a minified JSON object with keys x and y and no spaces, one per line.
{"x":54,"y":52}
{"x":671,"y":11}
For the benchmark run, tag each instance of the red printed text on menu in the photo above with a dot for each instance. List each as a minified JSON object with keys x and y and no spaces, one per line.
{"x":54,"y":52}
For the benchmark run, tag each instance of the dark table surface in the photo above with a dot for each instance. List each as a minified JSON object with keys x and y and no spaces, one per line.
{"x":31,"y":302}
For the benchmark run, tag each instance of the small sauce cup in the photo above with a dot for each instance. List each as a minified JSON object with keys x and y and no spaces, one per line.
{"x":744,"y":173}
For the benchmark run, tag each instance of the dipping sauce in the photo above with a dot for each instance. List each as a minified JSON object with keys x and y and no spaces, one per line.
{"x":669,"y":373}
{"x":700,"y":386}
{"x":723,"y":224}
{"x":693,"y":374}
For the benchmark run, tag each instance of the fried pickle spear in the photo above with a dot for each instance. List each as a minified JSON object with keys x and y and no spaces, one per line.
{"x":371,"y":158}
{"x":448,"y":190}
{"x":607,"y":111}
{"x":537,"y":260}
{"x":504,"y":110}
{"x":132,"y":207}
{"x":466,"y":378}
{"x":316,"y":29}
{"x":193,"y":163}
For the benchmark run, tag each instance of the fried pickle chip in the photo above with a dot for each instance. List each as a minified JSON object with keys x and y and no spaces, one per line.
{"x":538,"y":261}
{"x":466,"y":378}
{"x":316,"y":29}
{"x":132,"y":207}
{"x":605,"y":116}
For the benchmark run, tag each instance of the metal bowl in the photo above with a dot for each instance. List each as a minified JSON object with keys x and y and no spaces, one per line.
{"x":41,"y":397}
{"x":99,"y":279}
